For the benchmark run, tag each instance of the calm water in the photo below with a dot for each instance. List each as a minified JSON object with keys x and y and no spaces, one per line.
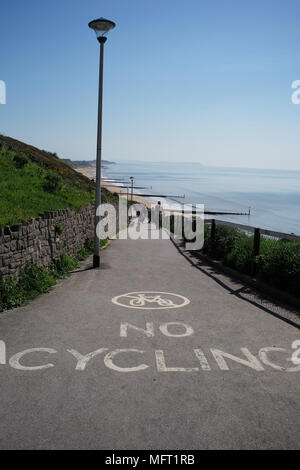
{"x":273,"y":195}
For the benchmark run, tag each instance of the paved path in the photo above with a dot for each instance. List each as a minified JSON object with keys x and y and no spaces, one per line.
{"x":137,"y":399}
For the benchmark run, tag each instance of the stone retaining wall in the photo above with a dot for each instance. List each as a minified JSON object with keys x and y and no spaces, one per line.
{"x":39,"y":241}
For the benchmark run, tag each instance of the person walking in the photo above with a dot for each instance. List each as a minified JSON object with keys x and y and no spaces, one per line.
{"x":158,"y":215}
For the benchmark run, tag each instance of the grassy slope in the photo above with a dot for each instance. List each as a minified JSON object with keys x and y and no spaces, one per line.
{"x":23,"y":191}
{"x":45,"y":159}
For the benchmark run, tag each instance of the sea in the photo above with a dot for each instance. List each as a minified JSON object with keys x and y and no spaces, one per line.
{"x":273,"y":196}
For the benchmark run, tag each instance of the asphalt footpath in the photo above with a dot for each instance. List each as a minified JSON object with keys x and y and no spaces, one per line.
{"x":152,"y":351}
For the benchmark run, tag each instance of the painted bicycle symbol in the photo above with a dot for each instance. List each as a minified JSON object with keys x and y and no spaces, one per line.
{"x":151,"y":300}
{"x":142,"y":299}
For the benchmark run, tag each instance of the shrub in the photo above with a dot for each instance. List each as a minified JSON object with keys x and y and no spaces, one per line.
{"x":103,"y":243}
{"x":65,"y":264}
{"x":240,"y":256}
{"x":52,"y":182}
{"x":86,"y":250}
{"x":35,"y":280}
{"x":226,"y":239}
{"x":206,"y":245}
{"x":279,"y":264}
{"x":11,"y":294}
{"x":20,"y":160}
{"x":58,"y":229}
{"x":89,"y":244}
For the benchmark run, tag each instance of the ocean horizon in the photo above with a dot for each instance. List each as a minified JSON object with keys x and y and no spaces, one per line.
{"x":273,"y":196}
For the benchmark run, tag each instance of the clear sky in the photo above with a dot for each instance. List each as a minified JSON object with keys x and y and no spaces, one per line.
{"x":194,"y":80}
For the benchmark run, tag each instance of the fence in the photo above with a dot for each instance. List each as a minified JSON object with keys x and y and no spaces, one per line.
{"x":258,"y":232}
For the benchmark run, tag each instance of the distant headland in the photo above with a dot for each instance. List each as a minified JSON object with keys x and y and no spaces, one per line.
{"x":85,"y":163}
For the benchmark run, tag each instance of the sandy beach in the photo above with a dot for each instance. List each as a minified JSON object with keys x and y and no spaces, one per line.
{"x":89,"y":172}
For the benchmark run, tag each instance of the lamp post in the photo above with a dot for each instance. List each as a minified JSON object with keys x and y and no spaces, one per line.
{"x":132,"y":180}
{"x":101,"y":28}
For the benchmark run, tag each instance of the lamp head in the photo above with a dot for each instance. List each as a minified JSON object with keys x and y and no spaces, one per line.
{"x":101,"y":26}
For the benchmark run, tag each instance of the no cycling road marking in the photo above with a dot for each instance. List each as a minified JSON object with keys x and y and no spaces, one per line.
{"x":156,"y":300}
{"x":200,"y":360}
{"x":173,"y":329}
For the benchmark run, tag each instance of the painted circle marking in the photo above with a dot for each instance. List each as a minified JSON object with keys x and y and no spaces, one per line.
{"x":159,"y":300}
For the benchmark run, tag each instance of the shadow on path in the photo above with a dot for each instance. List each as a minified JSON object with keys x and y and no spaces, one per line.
{"x":89,"y":267}
{"x":237,"y":292}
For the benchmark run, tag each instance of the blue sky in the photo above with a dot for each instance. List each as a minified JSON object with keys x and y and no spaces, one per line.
{"x":206,"y":81}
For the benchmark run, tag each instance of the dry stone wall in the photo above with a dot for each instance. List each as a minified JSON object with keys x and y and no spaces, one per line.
{"x":39,"y":241}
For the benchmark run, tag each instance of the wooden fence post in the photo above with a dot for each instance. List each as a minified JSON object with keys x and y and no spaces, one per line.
{"x":256,"y":245}
{"x":194,"y":222}
{"x":172,"y":223}
{"x":160,"y":220}
{"x":212,"y":236}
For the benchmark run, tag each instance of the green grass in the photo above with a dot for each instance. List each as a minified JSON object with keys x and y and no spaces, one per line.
{"x":28,"y":189}
{"x":25,"y":190}
{"x":44,"y":159}
{"x":35,"y":280}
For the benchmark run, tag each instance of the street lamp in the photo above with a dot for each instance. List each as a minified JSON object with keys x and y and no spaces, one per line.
{"x":132,"y":180}
{"x":101,"y":28}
